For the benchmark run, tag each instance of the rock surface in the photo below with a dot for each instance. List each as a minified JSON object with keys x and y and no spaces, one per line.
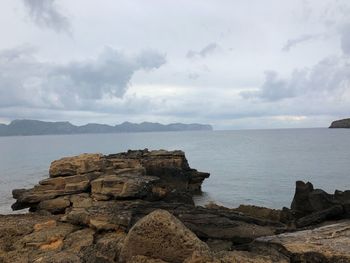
{"x":137,"y":207}
{"x":325,"y":244}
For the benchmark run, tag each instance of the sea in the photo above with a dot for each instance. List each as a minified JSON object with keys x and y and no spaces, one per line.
{"x":257,"y":167}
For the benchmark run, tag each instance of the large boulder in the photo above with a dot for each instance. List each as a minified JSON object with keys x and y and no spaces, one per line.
{"x":160,"y":235}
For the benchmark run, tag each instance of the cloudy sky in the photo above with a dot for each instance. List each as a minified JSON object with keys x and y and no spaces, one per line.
{"x":231,"y":63}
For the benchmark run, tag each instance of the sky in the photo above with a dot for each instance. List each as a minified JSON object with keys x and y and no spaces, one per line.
{"x":235,"y":64}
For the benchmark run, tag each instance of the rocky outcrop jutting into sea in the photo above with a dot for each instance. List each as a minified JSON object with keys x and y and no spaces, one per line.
{"x":137,"y":207}
{"x":344,"y":123}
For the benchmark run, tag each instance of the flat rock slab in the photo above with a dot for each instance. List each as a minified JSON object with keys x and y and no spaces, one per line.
{"x":329,"y":243}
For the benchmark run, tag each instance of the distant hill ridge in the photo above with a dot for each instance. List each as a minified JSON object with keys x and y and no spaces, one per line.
{"x":36,"y":127}
{"x":344,"y":123}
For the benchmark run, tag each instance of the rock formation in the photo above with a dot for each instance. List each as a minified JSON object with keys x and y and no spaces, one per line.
{"x":344,"y":123}
{"x":137,"y":207}
{"x":311,"y":206}
{"x":155,"y":175}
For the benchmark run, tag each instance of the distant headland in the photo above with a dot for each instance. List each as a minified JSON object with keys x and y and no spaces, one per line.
{"x":344,"y":123}
{"x":36,"y":127}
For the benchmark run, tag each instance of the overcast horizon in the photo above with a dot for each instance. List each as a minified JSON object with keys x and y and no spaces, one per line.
{"x":232,"y":64}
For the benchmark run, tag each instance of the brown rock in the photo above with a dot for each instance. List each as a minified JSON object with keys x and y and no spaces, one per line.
{"x":127,"y":185}
{"x":160,"y":235}
{"x":234,"y":257}
{"x":260,"y":212}
{"x":56,"y":205}
{"x":81,"y":200}
{"x":78,"y":240}
{"x":143,"y":259}
{"x":48,"y":224}
{"x":80,"y":164}
{"x":106,"y":249}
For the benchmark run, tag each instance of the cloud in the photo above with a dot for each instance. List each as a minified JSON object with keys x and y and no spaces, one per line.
{"x":45,"y":13}
{"x":204,"y":52}
{"x":291,"y":43}
{"x":328,"y":78}
{"x":28,"y":82}
{"x":345,"y":39}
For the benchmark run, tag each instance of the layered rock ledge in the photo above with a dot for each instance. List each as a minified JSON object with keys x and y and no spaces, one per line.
{"x":137,"y":207}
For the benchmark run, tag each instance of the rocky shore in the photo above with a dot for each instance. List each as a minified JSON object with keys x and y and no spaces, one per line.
{"x":137,"y":207}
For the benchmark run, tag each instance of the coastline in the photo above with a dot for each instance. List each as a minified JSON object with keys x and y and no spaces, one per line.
{"x":122,"y":207}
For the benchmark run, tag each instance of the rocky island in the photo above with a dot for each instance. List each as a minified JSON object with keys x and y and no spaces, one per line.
{"x":344,"y":123}
{"x":137,"y":207}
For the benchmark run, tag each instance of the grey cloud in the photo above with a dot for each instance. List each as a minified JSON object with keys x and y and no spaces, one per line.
{"x":207,"y":50}
{"x":291,"y":43}
{"x":45,"y":13}
{"x":330,"y":77}
{"x":273,"y":88}
{"x":25,"y":81}
{"x":345,"y":39}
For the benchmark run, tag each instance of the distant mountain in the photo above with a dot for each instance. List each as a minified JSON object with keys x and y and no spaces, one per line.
{"x":344,"y":123}
{"x":35,"y":127}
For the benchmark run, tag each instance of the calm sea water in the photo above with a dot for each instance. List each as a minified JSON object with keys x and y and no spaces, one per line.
{"x":248,"y":166}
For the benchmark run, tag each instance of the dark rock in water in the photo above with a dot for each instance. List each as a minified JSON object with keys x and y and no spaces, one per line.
{"x":311,"y":206}
{"x":344,"y":123}
{"x":308,"y":200}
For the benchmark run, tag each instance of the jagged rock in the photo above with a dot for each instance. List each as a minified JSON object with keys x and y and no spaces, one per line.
{"x":325,"y":244}
{"x":311,"y":206}
{"x":162,"y":236}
